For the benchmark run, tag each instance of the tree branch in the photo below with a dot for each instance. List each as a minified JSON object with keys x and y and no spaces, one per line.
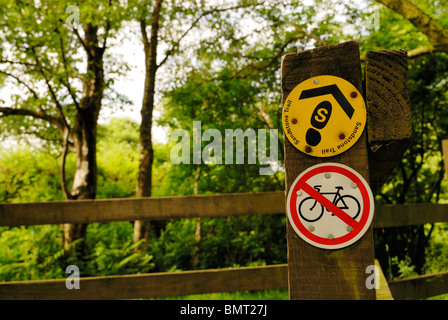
{"x":65,"y":145}
{"x":436,"y":184}
{"x":420,"y":51}
{"x":33,"y":92}
{"x":240,"y":74}
{"x":437,"y":35}
{"x":83,"y":43}
{"x":319,"y":41}
{"x":145,"y":39}
{"x":64,"y":62}
{"x":21,"y":82}
{"x":175,"y":44}
{"x":264,"y":116}
{"x":52,"y":92}
{"x":8,"y":111}
{"x":18,"y":62}
{"x":106,"y":33}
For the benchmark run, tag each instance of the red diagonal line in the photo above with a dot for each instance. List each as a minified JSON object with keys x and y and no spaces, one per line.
{"x":329,"y":205}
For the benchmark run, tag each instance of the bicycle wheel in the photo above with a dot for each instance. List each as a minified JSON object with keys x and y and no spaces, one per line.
{"x":309,"y":210}
{"x":350,"y":205}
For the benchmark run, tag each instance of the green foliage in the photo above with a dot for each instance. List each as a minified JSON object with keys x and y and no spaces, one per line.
{"x":173,"y":250}
{"x":28,"y":175}
{"x":405,"y":269}
{"x":273,"y":294}
{"x":241,"y":241}
{"x":31,"y":253}
{"x":393,"y":31}
{"x":420,"y":175}
{"x":117,"y":159}
{"x":225,"y":242}
{"x":437,"y":250}
{"x":32,"y":175}
{"x":111,"y":251}
{"x":42,"y":64}
{"x":232,"y":241}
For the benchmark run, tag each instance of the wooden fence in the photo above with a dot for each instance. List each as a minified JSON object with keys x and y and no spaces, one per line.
{"x":168,"y":284}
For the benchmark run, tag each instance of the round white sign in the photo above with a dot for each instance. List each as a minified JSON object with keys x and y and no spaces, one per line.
{"x":330,"y":206}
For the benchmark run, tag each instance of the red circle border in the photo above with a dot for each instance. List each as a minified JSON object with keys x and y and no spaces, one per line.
{"x":364,"y":215}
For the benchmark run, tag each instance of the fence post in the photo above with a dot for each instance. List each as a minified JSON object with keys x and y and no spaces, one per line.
{"x":316,"y":273}
{"x":389,"y":127}
{"x":445,"y":155}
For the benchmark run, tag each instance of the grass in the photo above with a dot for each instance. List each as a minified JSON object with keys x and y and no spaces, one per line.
{"x":440,"y":297}
{"x":273,"y":294}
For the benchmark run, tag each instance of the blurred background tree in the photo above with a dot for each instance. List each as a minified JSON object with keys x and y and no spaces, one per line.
{"x":63,"y":83}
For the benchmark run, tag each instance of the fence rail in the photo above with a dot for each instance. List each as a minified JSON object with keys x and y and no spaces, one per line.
{"x":200,"y":281}
{"x":420,"y":287}
{"x":152,"y":285}
{"x":162,"y":208}
{"x":153,"y":208}
{"x":173,"y":284}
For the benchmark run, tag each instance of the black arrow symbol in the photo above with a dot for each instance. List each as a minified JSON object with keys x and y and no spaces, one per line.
{"x":333,"y":90}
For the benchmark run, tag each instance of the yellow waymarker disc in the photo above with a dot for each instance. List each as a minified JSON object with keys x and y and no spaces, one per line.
{"x":324,"y":116}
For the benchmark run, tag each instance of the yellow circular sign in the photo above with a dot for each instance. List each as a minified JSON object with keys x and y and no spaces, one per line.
{"x":324,"y":116}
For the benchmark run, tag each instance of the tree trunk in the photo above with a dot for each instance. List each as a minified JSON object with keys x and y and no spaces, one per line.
{"x":85,"y":131}
{"x":197,"y":233}
{"x":142,"y":229}
{"x":85,"y":182}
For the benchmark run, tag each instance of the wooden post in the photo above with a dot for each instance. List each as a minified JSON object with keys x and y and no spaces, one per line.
{"x":389,"y":126}
{"x":316,"y":273}
{"x":445,"y":156}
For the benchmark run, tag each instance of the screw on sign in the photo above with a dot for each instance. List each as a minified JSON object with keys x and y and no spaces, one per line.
{"x":324,"y":116}
{"x":330,"y":206}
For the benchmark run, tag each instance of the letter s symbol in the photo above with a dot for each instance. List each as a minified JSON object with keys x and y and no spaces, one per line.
{"x":320,"y":117}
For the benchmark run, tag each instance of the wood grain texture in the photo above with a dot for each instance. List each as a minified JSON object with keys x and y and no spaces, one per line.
{"x":400,"y":215}
{"x":160,"y":208}
{"x":389,"y":124}
{"x":153,"y":285}
{"x":445,"y":156}
{"x":110,"y":210}
{"x":171,"y":284}
{"x":420,"y":287}
{"x":383,"y":292}
{"x":317,"y":273}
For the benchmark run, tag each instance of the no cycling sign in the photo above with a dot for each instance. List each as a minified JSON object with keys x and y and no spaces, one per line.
{"x":330,"y":206}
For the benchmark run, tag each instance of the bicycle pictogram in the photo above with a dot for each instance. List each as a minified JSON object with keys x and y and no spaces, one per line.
{"x":311,"y":210}
{"x":343,"y":192}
